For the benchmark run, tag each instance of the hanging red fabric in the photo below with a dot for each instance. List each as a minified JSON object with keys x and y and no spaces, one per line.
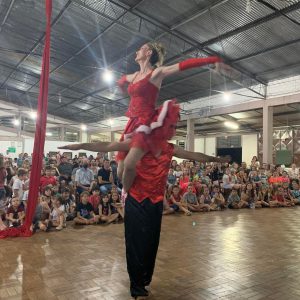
{"x":39,"y":139}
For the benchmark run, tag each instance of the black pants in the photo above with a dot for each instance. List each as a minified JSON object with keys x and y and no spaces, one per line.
{"x":142,"y":232}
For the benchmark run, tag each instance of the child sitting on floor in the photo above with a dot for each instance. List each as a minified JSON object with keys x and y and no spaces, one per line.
{"x":94,"y":199}
{"x":15,"y":213}
{"x":57,"y":215}
{"x":116,"y":204}
{"x":41,"y":216}
{"x":85,"y":211}
{"x":105,"y":211}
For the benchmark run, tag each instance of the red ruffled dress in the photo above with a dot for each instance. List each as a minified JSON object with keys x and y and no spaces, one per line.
{"x":148,"y":127}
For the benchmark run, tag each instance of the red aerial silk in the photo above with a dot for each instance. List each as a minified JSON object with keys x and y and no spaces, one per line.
{"x":39,"y":139}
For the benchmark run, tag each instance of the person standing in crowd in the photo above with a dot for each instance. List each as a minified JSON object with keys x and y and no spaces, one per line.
{"x":65,"y":169}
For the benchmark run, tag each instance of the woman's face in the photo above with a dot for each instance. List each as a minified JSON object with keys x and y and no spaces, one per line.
{"x":143,"y":53}
{"x":249,"y":186}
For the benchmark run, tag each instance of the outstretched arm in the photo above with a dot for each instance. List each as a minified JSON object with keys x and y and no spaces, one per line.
{"x":197,"y":156}
{"x":99,"y":146}
{"x":190,"y":63}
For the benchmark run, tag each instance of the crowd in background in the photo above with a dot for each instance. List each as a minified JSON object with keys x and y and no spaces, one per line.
{"x":87,"y":191}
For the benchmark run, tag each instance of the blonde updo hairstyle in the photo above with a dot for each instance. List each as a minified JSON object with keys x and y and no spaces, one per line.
{"x":158,"y":53}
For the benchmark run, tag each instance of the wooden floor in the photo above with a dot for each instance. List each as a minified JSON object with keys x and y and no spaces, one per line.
{"x":250,"y":254}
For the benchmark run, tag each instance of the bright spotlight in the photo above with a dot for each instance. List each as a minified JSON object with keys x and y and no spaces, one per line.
{"x":227,"y":96}
{"x":33,"y":115}
{"x":111,"y":122}
{"x":83,"y":127}
{"x":231,"y":125}
{"x":16,"y":122}
{"x":108,"y":76}
{"x":49,"y":134}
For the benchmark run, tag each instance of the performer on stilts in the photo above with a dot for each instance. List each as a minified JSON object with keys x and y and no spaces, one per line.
{"x":148,"y":127}
{"x":144,"y":207}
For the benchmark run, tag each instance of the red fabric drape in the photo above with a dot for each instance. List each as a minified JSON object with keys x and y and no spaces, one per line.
{"x":39,"y":139}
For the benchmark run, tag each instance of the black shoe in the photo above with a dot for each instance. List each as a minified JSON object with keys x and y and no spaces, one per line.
{"x":138,"y":291}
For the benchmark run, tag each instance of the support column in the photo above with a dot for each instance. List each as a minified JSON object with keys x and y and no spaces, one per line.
{"x":83,"y":136}
{"x":62,"y":133}
{"x":112,"y":139}
{"x":267,"y":134}
{"x":190,"y":136}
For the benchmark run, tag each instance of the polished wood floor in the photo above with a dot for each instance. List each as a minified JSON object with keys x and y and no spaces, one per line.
{"x":247,"y":254}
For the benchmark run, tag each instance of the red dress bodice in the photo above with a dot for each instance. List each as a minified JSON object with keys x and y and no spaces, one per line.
{"x":143,"y":95}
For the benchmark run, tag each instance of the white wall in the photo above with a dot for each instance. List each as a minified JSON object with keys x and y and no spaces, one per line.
{"x":4,"y":145}
{"x":199,"y":145}
{"x":210,"y":146}
{"x":249,"y":147}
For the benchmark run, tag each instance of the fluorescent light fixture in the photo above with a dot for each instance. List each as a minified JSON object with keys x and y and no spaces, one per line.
{"x":16,"y":122}
{"x":231,"y":125}
{"x":49,"y":134}
{"x":33,"y":115}
{"x":83,"y":127}
{"x":108,"y":76}
{"x":227,"y":96}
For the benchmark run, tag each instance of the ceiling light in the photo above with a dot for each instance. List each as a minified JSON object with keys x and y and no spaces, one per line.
{"x":49,"y":134}
{"x":108,"y":76}
{"x":227,"y":96}
{"x":16,"y":122}
{"x":33,"y":115}
{"x":83,"y":127}
{"x":231,"y":125}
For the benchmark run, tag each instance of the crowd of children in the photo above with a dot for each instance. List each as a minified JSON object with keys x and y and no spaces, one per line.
{"x":86,"y":190}
{"x":196,"y":187}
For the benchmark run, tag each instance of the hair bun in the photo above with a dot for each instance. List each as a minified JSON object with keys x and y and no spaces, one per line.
{"x":161,"y":52}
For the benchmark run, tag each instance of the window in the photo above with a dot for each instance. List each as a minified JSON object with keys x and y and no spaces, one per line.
{"x":229,"y":141}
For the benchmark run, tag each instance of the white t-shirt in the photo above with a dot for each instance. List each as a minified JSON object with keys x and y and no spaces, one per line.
{"x":55,"y":214}
{"x":18,"y":185}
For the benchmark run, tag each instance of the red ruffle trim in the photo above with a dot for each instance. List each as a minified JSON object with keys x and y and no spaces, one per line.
{"x":151,"y":136}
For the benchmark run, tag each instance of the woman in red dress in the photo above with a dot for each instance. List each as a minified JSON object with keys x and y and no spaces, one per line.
{"x":148,"y":127}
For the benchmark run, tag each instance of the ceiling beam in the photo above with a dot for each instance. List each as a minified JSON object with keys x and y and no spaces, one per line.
{"x":278,"y":10}
{"x":94,"y":39}
{"x":274,"y":48}
{"x":195,"y":45}
{"x":198,"y":13}
{"x":246,"y":106}
{"x":37,"y":43}
{"x":7,"y":14}
{"x":283,"y":68}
